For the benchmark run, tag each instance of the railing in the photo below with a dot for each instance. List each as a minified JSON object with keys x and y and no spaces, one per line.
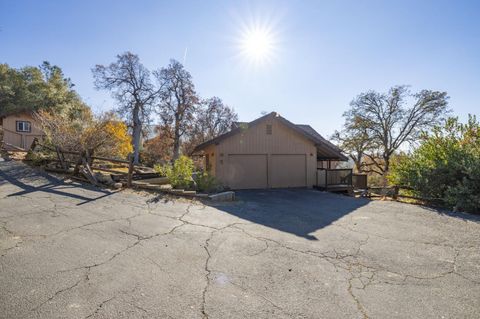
{"x":396,"y":192}
{"x":327,"y":178}
{"x":83,"y":164}
{"x":359,"y":181}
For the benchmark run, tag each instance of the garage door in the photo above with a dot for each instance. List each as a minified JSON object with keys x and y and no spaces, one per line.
{"x":247,"y":171}
{"x":288,"y":170}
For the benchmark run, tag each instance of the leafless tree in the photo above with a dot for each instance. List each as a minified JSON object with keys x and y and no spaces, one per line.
{"x":177,"y":101}
{"x":377,"y":125}
{"x":212,"y":118}
{"x":130,"y":84}
{"x":86,"y":133}
{"x":355,"y":142}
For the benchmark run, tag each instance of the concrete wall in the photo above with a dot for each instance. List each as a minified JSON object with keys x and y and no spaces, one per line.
{"x":20,"y":139}
{"x":256,"y":141}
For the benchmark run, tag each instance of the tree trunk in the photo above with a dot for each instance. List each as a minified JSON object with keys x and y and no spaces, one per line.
{"x":176,"y":143}
{"x":386,"y":169}
{"x":176,"y":139}
{"x":137,"y":130}
{"x":358,"y":166}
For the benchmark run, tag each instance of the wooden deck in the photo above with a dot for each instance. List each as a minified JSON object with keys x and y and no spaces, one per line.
{"x":338,"y":180}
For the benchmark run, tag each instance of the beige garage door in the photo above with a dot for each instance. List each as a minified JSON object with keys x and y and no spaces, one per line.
{"x":288,"y":170}
{"x":247,"y":171}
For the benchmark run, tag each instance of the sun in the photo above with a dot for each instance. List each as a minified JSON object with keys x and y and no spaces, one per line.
{"x":257,"y":44}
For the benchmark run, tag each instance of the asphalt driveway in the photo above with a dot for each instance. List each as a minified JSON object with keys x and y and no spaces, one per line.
{"x":68,"y":251}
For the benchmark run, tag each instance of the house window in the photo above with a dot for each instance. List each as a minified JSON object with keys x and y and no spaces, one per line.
{"x":24,"y":126}
{"x":269,"y":129}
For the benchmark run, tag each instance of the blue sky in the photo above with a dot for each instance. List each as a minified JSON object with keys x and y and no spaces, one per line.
{"x":326,"y":52}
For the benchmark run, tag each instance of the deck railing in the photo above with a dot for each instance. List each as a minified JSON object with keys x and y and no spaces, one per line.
{"x":359,"y":181}
{"x":341,"y":177}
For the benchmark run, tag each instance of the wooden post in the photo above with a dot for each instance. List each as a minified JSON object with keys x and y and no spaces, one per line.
{"x":60,"y":157}
{"x":34,"y":144}
{"x":87,"y":171}
{"x":76,"y":170}
{"x":326,"y":179}
{"x":90,"y":158}
{"x":130,"y":169}
{"x":395,"y":192}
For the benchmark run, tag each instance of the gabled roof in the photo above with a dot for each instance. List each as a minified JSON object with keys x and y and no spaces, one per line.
{"x":8,"y":113}
{"x":325,"y":149}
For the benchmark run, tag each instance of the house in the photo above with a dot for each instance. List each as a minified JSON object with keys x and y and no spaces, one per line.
{"x":19,"y":130}
{"x":269,"y":152}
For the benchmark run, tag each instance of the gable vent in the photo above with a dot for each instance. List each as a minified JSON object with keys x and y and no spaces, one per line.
{"x":269,"y":129}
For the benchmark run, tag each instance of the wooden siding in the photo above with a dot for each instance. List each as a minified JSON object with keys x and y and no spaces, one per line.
{"x":256,"y":141}
{"x":210,"y":150}
{"x":20,"y":139}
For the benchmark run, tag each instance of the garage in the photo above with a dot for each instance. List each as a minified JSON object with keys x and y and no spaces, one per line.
{"x":288,"y":170}
{"x":247,"y":171}
{"x":269,"y":152}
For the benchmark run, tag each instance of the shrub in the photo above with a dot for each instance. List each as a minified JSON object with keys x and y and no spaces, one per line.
{"x":206,"y":182}
{"x":105,"y":134}
{"x":180,"y":174}
{"x":446,"y":165}
{"x":163,"y":170}
{"x":38,"y":158}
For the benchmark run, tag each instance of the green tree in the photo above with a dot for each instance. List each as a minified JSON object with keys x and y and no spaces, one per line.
{"x":446,"y":165}
{"x":38,"y":88}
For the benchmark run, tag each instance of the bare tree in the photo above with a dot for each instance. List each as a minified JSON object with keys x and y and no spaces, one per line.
{"x":377,"y":125}
{"x":355,"y":142}
{"x":212,"y":118}
{"x":177,"y":101}
{"x":129,"y":82}
{"x":103,"y":134}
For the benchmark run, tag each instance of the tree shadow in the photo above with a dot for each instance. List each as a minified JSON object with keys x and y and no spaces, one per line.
{"x":295,"y":211}
{"x":27,"y":179}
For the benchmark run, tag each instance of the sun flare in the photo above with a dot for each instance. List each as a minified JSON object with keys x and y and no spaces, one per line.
{"x":257,"y":44}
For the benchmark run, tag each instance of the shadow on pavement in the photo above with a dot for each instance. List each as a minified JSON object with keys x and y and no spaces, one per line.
{"x":19,"y":175}
{"x":296,"y":211}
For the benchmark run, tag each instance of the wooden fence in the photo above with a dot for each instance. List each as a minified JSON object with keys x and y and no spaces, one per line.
{"x":17,"y":141}
{"x":395,"y":193}
{"x":359,"y":181}
{"x":81,"y":165}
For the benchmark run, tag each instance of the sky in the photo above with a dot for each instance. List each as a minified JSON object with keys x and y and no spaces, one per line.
{"x":320,"y":54}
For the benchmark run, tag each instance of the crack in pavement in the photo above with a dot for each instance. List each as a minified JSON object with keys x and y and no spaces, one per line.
{"x":207,"y":276}
{"x":139,"y":240}
{"x":360,"y":270}
{"x":58,"y":292}
{"x":99,"y":307}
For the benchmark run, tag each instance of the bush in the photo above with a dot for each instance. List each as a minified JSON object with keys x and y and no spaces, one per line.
{"x":37,"y":158}
{"x":105,"y":134}
{"x":180,"y":174}
{"x":446,"y":165}
{"x":206,"y":182}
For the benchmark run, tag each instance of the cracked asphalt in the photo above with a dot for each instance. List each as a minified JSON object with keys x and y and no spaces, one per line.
{"x":71,"y":251}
